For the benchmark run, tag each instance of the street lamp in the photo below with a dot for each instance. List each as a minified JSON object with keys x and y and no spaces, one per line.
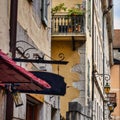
{"x":111,"y":107}
{"x":107,"y":88}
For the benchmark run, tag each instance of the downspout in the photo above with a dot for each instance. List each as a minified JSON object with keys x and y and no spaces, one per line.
{"x":13,"y":31}
{"x":13,"y":26}
{"x":93,"y":75}
{"x":104,"y":13}
{"x":103,"y":59}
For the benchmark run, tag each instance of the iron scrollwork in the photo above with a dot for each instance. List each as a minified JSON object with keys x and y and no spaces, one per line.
{"x":106,"y":76}
{"x":61,"y":56}
{"x":22,"y":50}
{"x":25,"y":52}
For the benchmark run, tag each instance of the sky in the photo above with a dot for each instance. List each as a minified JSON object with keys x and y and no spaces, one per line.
{"x":116,"y":7}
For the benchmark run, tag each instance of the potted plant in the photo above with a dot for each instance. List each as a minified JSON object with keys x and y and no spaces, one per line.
{"x":73,"y":13}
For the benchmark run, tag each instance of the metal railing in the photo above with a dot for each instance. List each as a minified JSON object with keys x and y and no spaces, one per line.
{"x":68,"y":24}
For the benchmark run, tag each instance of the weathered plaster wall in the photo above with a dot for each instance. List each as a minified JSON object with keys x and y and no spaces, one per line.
{"x":72,"y":92}
{"x":2,"y":106}
{"x":4,"y":25}
{"x":37,"y":32}
{"x":4,"y":45}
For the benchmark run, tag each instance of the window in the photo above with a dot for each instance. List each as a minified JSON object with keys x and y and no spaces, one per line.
{"x":40,"y":11}
{"x":44,"y":12}
{"x":33,"y":108}
{"x":31,"y":112}
{"x":36,"y":7}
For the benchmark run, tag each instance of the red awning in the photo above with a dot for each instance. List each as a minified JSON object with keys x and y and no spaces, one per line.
{"x":18,"y":77}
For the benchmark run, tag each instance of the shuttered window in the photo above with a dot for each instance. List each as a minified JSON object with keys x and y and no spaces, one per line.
{"x":40,"y":11}
{"x":45,"y":12}
{"x":36,"y":7}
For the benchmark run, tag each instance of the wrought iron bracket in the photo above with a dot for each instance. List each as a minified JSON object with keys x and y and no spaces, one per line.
{"x":106,"y":76}
{"x":25,"y":52}
{"x":41,"y":61}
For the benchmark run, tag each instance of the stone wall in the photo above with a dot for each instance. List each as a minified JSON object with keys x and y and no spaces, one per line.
{"x":77,"y":112}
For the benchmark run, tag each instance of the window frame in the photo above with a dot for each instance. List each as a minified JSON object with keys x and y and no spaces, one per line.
{"x":45,"y":12}
{"x":33,"y":106}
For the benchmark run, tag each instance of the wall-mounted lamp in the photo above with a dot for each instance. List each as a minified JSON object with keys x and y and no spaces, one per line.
{"x":110,"y":107}
{"x":107,"y":88}
{"x":17,"y":99}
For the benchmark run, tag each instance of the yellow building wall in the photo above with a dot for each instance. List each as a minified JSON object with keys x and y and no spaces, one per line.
{"x":115,"y":87}
{"x":38,"y":97}
{"x":65,"y":47}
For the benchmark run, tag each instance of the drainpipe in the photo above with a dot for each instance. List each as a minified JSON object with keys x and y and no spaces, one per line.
{"x":13,"y":26}
{"x":93,"y":75}
{"x":103,"y":59}
{"x":13,"y":31}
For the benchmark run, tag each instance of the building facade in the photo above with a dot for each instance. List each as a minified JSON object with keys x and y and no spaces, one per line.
{"x":85,"y":40}
{"x":25,"y":33}
{"x":89,"y":52}
{"x":68,"y":38}
{"x":103,"y":36}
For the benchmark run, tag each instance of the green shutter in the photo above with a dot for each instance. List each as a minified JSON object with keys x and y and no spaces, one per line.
{"x":44,"y":12}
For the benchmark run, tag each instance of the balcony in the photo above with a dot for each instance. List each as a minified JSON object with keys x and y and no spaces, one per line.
{"x":68,"y":26}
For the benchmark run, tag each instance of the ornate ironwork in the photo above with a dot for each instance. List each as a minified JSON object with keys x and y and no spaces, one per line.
{"x":106,"y":76}
{"x":62,"y":24}
{"x":61,"y":56}
{"x":25,"y":52}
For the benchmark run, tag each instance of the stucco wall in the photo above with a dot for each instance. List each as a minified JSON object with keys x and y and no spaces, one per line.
{"x":4,"y":25}
{"x":4,"y":46}
{"x":73,"y":57}
{"x":2,"y":106}
{"x":37,"y":32}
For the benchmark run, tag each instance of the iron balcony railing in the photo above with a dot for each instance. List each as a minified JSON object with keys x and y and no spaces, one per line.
{"x":64,"y":24}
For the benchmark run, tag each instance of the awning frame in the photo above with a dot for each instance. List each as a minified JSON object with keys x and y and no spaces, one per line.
{"x":16,"y":77}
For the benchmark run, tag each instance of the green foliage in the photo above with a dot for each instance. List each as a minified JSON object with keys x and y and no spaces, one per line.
{"x":75,"y":11}
{"x":71,"y":11}
{"x":58,"y":8}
